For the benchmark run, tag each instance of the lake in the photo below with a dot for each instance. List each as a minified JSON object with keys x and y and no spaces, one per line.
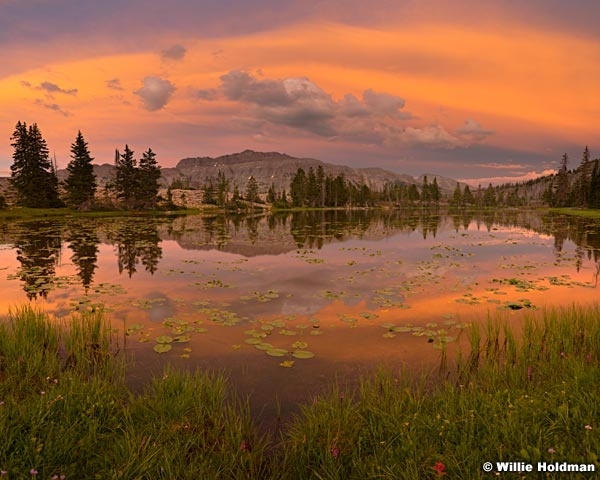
{"x":288,"y":303}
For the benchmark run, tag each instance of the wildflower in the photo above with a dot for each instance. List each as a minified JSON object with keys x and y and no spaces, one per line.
{"x":2,"y":403}
{"x":551,"y":451}
{"x":588,"y":357}
{"x":588,"y":427}
{"x":33,"y":472}
{"x":439,"y":469}
{"x":342,"y":395}
{"x":42,"y":392}
{"x":529,"y":371}
{"x":335,"y":451}
{"x":3,"y":473}
{"x":55,"y":381}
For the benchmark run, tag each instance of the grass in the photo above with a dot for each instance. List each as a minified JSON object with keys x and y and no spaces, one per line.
{"x":579,"y":212}
{"x":22,"y":212}
{"x":526,"y":397}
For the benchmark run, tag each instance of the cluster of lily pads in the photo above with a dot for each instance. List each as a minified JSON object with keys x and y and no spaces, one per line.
{"x":437,"y":335}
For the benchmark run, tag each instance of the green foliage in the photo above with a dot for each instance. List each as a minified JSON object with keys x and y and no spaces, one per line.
{"x":80,"y":185}
{"x":33,"y":175}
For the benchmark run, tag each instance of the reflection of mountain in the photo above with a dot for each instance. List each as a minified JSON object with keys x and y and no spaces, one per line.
{"x":285,"y":232}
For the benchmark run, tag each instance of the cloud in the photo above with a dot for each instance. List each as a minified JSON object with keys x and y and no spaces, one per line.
{"x":500,"y":166}
{"x":473,"y":131}
{"x":500,"y":180}
{"x":299,"y":103}
{"x":176,"y":52}
{"x":206,"y":93}
{"x":114,"y":84}
{"x":155,"y":93}
{"x":432,"y":136}
{"x":49,"y":88}
{"x":54,"y":88}
{"x":52,"y":106}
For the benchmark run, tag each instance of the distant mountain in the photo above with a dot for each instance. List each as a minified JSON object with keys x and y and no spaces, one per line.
{"x":268,"y":168}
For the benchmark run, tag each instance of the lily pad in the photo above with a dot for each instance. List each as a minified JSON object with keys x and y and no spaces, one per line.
{"x":302,"y":354}
{"x":162,"y":347}
{"x":287,"y":363}
{"x":164,"y":339}
{"x":276,"y":352}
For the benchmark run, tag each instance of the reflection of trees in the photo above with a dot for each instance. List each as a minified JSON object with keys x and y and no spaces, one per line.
{"x":83,"y":241}
{"x":38,"y":250}
{"x":137,"y":241}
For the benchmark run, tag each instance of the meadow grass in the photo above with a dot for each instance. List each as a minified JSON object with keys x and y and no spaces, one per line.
{"x":528,"y":396}
{"x":36,"y":213}
{"x":579,"y":212}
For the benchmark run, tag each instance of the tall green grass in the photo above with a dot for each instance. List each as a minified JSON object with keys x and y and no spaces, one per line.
{"x":528,"y":395}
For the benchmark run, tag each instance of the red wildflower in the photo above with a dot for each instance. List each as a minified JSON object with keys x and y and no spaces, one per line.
{"x":440,"y":469}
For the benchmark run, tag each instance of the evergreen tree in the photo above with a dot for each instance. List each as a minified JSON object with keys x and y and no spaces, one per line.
{"x":457,"y":197}
{"x":33,"y":175}
{"x":147,"y":177}
{"x":222,"y":189}
{"x":298,"y":188}
{"x":425,"y":192}
{"x":594,"y":193}
{"x":80,"y":185}
{"x":126,"y":177}
{"x":208,"y":192}
{"x":468,"y":197}
{"x":489,"y":197}
{"x":271,"y":194}
{"x":561,"y":186}
{"x":434,"y":191}
{"x":252,"y":190}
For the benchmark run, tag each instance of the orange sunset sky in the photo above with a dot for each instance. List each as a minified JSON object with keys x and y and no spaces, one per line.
{"x":480,"y":91}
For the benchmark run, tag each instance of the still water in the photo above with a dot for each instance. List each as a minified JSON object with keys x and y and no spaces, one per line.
{"x":288,"y":303}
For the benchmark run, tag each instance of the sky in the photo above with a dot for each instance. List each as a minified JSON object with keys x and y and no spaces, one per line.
{"x":482,"y":91}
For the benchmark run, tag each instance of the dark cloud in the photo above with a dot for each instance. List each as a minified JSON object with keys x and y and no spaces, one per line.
{"x":473,"y":131}
{"x":155,"y":93}
{"x":114,"y":84}
{"x":52,"y":106}
{"x":54,"y":88}
{"x":301,"y":104}
{"x":206,"y":93}
{"x":176,"y":52}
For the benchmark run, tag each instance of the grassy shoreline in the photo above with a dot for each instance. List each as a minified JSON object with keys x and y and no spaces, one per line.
{"x":578,"y":212}
{"x":65,"y":409}
{"x":36,"y":213}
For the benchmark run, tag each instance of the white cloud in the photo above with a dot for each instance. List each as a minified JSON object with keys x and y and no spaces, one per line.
{"x":500,"y":180}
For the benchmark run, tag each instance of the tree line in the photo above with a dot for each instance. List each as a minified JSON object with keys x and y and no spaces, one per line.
{"x":35,"y":181}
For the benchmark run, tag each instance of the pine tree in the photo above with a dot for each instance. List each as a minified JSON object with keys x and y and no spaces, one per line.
{"x":33,"y":175}
{"x":434,"y":191}
{"x":298,"y":188}
{"x":126,"y":177}
{"x":457,"y":197}
{"x":147,"y":177}
{"x":271,"y":194}
{"x":252,"y":190}
{"x":81,"y":182}
{"x":562,"y":187}
{"x":468,"y":197}
{"x":222,"y":189}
